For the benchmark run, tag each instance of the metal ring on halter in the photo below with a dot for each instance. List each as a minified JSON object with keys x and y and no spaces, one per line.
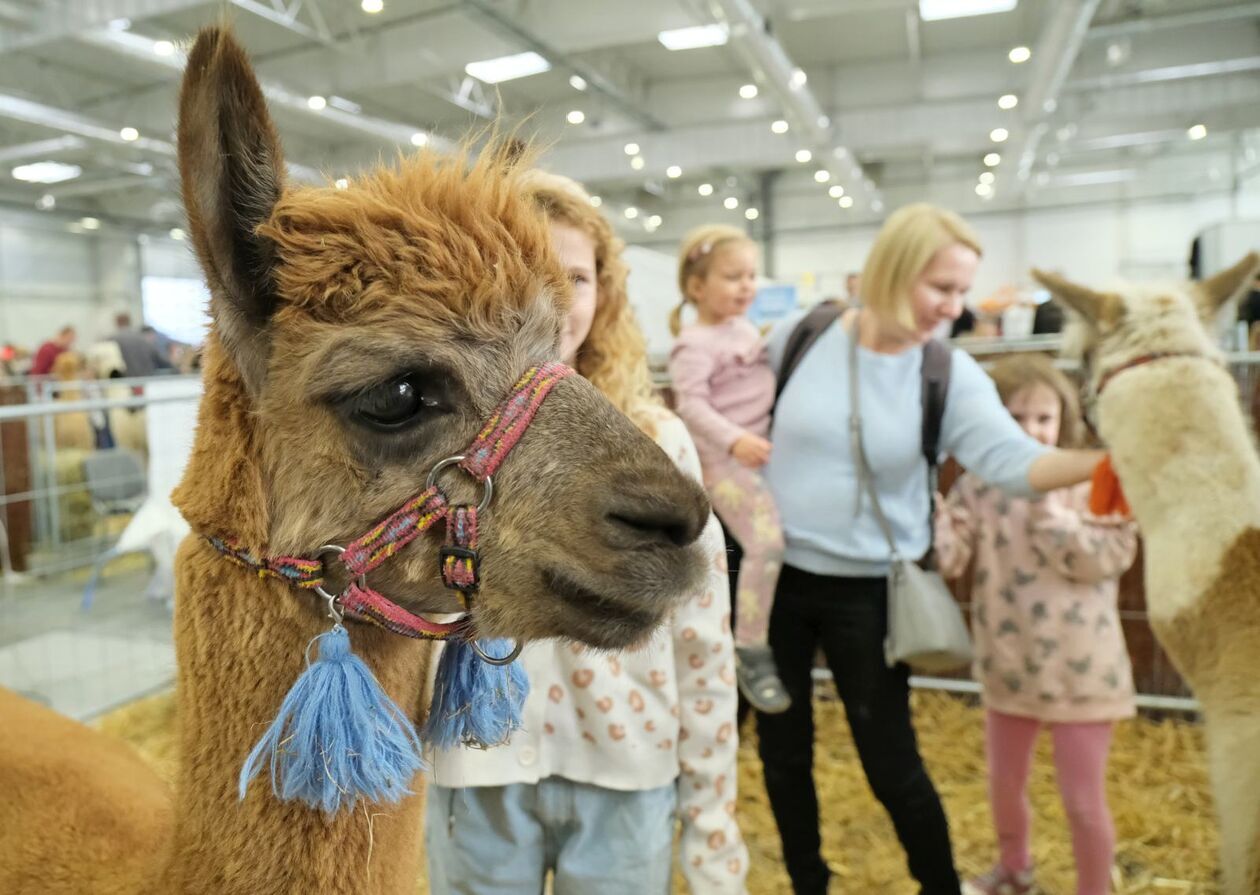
{"x":491,"y":660}
{"x":451,"y":461}
{"x":332,"y":599}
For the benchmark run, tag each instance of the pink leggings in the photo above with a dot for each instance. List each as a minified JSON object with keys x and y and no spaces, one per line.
{"x":1080,"y":761}
{"x":742,"y":501}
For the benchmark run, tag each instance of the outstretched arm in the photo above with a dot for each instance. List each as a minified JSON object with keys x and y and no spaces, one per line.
{"x":1062,"y":468}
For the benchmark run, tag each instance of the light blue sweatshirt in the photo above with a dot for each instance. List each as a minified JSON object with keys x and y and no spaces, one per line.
{"x":812,"y":473}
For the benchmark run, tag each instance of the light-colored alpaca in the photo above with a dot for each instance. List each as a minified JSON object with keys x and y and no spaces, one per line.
{"x":1169,"y":413}
{"x":439,"y":275}
{"x":127,"y":424}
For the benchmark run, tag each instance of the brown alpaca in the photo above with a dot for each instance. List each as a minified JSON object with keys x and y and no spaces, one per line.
{"x":1169,"y":413}
{"x":359,"y":336}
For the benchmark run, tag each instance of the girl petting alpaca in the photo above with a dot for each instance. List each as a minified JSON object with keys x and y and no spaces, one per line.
{"x":614,"y":746}
{"x":725,"y":391}
{"x":1049,"y":647}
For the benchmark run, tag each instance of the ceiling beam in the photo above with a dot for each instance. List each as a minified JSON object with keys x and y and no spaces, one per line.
{"x":15,"y":13}
{"x":596,"y":82}
{"x":465,"y":93}
{"x":289,"y":22}
{"x":65,"y":19}
{"x":140,"y":48}
{"x":775,"y":71}
{"x":1053,"y":57}
{"x":16,"y":108}
{"x":1147,"y":24}
{"x":103,"y":185}
{"x":1168,"y":73}
{"x":37,"y":148}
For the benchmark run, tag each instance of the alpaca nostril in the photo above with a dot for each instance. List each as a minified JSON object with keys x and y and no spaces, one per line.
{"x":650,"y":526}
{"x":653,"y":507}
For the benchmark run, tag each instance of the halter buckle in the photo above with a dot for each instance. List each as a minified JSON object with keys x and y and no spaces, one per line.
{"x":457,"y":554}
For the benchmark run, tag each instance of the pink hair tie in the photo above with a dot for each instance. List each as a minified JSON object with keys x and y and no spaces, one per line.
{"x":699,"y":252}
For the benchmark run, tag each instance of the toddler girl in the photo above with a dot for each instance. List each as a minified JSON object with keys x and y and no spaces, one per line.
{"x":725,"y":390}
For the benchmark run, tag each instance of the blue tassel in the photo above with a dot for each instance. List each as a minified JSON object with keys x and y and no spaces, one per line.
{"x":338,"y":736}
{"x":475,"y":703}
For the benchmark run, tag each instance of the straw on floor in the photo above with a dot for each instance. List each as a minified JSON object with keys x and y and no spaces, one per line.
{"x":1158,"y":789}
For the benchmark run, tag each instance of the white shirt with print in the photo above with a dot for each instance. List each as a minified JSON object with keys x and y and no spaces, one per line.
{"x":639,"y":719}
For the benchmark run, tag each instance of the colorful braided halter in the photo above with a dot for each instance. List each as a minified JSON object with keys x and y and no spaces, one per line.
{"x":459,"y":557}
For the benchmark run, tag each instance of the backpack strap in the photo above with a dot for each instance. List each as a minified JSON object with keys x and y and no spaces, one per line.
{"x":803,"y":337}
{"x":935,"y":372}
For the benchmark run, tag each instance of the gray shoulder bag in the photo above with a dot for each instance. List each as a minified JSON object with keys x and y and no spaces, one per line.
{"x":925,"y":624}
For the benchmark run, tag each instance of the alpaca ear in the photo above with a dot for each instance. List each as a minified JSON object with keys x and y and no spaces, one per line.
{"x":232,"y":173}
{"x":1229,"y":283}
{"x":1096,"y":307}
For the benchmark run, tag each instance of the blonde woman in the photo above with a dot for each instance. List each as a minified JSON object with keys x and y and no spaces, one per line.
{"x":614,"y":746}
{"x":832,"y":590}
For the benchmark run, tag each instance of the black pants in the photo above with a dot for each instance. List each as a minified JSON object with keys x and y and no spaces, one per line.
{"x":848,"y":618}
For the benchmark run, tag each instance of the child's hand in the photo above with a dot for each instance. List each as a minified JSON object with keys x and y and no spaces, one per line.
{"x":751,"y":450}
{"x":955,"y":513}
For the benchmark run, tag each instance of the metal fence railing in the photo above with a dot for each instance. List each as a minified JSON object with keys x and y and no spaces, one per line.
{"x":60,"y":521}
{"x":75,"y":468}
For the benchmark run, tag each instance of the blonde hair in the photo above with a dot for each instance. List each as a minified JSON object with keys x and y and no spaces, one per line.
{"x":1017,"y":372}
{"x":614,"y":354}
{"x":695,"y":257}
{"x":904,"y":247}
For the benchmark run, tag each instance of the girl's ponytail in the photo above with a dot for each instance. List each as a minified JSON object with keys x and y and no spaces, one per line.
{"x":675,"y":318}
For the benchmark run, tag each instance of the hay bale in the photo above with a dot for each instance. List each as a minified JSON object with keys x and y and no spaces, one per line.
{"x":74,"y":505}
{"x":1157,"y":783}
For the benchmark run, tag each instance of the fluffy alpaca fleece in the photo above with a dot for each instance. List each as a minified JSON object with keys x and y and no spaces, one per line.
{"x":1185,"y":457}
{"x":76,"y":786}
{"x":438,"y":274}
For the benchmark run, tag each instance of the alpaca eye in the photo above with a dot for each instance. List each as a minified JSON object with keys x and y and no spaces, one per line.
{"x":393,"y":405}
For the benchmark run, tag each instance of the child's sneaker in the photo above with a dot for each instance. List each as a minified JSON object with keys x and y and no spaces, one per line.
{"x":759,"y":680}
{"x":1000,"y":881}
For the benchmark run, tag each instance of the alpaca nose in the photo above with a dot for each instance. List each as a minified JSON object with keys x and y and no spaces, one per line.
{"x":652,"y":521}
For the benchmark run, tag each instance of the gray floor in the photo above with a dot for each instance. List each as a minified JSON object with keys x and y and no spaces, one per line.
{"x":85,"y":662}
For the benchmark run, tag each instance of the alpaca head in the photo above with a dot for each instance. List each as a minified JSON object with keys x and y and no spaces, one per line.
{"x":1112,"y":328}
{"x":361,"y":335}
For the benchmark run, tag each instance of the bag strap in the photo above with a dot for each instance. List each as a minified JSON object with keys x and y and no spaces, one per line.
{"x":866,"y":478}
{"x":935,"y":378}
{"x":806,"y":333}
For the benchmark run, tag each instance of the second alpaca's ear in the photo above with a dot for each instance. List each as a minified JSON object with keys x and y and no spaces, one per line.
{"x":1096,"y":307}
{"x":232,"y":173}
{"x":1227,"y":285}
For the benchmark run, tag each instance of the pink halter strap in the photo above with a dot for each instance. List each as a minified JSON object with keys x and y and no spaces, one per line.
{"x":459,"y":556}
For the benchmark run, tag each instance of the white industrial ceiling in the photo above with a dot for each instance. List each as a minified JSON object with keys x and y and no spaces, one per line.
{"x":889,"y":107}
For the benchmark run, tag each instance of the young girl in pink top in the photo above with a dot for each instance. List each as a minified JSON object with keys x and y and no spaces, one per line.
{"x":725,"y":390}
{"x":1049,"y":647}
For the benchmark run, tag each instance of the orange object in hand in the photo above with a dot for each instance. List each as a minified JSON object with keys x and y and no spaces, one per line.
{"x":1105,"y":496}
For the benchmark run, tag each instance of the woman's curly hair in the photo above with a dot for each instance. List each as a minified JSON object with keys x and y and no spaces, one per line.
{"x":614,"y":354}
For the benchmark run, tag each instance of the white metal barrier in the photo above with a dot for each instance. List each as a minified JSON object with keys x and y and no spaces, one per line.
{"x":80,"y":648}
